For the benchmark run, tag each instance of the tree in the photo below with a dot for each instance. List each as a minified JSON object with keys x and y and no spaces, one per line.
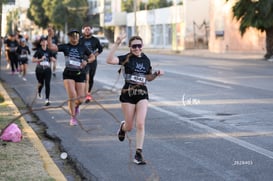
{"x":77,"y":12}
{"x":12,"y":21}
{"x":155,"y":4}
{"x":128,"y":5}
{"x":36,"y":13}
{"x":72,"y":13}
{"x":56,"y":12}
{"x":257,"y":14}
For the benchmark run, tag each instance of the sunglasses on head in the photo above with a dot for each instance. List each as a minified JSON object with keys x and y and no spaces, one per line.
{"x":136,"y":46}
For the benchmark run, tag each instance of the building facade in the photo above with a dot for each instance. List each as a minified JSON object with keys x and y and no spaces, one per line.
{"x":176,"y":27}
{"x":224,"y":31}
{"x":195,"y":24}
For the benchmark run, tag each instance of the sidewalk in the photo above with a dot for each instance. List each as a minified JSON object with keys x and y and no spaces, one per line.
{"x":206,"y":53}
{"x":28,"y":159}
{"x":257,"y":55}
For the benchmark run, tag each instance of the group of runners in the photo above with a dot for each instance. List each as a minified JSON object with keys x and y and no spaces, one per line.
{"x":16,"y":53}
{"x":78,"y":77}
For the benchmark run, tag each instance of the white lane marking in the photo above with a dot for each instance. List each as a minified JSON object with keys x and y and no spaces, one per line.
{"x":216,"y":132}
{"x":219,"y":134}
{"x":214,"y":84}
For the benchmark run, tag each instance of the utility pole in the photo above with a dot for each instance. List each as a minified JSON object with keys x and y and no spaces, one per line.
{"x":136,"y":7}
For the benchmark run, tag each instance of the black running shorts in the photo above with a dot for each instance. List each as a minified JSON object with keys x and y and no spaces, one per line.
{"x":76,"y":75}
{"x":132,"y":93}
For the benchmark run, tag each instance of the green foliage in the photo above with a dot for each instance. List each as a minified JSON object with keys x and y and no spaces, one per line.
{"x":58,"y":13}
{"x":12,"y":21}
{"x":7,"y":1}
{"x":128,"y":5}
{"x":154,"y":4}
{"x":257,"y":14}
{"x":77,"y":12}
{"x":37,"y":14}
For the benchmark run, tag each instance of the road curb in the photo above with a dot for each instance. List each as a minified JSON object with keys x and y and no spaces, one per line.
{"x":49,"y":165}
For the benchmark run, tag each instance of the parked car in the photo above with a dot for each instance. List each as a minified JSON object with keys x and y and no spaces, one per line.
{"x":103,"y":41}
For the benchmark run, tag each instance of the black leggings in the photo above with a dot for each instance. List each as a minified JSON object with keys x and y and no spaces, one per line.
{"x":13,"y":61}
{"x":43,"y":76}
{"x":91,"y":70}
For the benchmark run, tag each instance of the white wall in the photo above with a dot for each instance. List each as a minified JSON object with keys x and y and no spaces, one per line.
{"x":168,"y":15}
{"x":195,"y":11}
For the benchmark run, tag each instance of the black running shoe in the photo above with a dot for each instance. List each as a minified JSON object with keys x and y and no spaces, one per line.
{"x":121,"y":133}
{"x":139,"y":158}
{"x":47,"y":103}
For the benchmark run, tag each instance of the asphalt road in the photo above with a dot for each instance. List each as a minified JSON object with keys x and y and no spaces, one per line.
{"x":209,"y":119}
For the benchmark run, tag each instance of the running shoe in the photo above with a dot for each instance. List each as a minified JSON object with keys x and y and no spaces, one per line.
{"x":24,"y":79}
{"x":73,"y":122}
{"x":77,"y":110}
{"x":47,"y":103}
{"x":139,"y":158}
{"x":54,"y":74}
{"x":121,"y":133}
{"x":88,"y":98}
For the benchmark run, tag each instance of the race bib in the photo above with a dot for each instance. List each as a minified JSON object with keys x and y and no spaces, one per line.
{"x":75,"y":63}
{"x":45,"y":63}
{"x":23,"y":56}
{"x":138,"y":79}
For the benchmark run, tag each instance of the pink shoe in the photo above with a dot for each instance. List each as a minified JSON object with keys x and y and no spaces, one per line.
{"x":73,"y":122}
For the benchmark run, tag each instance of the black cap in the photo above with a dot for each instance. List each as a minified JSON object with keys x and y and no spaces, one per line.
{"x":73,"y":31}
{"x":43,"y":38}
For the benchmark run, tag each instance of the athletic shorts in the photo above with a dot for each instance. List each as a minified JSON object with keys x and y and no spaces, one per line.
{"x":23,"y":61}
{"x":132,"y":93}
{"x":76,"y":75}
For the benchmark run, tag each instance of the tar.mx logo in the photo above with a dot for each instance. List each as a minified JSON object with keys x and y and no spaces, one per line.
{"x":187,"y":101}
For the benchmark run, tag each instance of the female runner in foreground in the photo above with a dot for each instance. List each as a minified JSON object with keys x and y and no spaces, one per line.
{"x":134,"y":94}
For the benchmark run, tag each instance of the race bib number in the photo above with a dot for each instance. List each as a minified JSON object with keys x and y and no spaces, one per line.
{"x":23,"y":56}
{"x":12,"y":49}
{"x":75,"y":63}
{"x":138,"y":79}
{"x":44,"y":63}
